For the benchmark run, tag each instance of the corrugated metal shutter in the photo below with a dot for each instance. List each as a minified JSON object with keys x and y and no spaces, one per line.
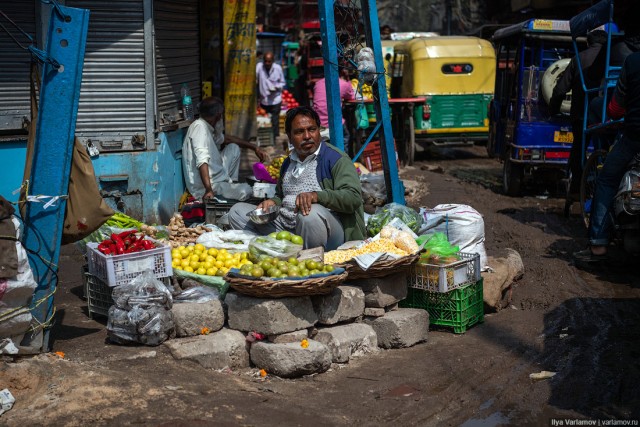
{"x":177,"y":48}
{"x":112,"y":107}
{"x":15,"y":104}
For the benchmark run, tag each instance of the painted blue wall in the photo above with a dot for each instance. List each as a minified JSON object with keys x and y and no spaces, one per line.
{"x":12,"y":158}
{"x":151,"y":181}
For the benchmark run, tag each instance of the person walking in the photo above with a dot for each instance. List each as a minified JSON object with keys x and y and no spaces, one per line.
{"x":270,"y":85}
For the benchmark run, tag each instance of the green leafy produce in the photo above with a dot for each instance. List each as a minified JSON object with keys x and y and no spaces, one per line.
{"x":410,"y":217}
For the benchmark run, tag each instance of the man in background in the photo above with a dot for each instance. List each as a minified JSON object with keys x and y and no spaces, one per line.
{"x":208,"y":156}
{"x":270,"y":85}
{"x":320,"y":102}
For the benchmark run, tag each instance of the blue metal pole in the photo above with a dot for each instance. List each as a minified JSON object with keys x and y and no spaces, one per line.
{"x":53,"y":151}
{"x":395,"y":189}
{"x":331,"y":75}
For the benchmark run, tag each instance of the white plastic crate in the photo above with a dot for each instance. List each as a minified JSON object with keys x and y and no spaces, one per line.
{"x":118,"y":270}
{"x":444,"y":278}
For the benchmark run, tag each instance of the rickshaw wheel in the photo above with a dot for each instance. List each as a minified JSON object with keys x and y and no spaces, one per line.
{"x":410,"y":141}
{"x":512,"y":175}
{"x":588,"y":183}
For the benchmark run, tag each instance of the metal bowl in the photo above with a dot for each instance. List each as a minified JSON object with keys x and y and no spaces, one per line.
{"x":261,"y":216}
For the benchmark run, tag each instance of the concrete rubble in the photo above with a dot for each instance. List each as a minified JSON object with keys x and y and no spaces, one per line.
{"x":346,"y":341}
{"x":343,"y":304}
{"x":291,"y":360}
{"x":403,"y":327}
{"x":380,"y":292}
{"x":191,"y":317}
{"x":223,"y":349}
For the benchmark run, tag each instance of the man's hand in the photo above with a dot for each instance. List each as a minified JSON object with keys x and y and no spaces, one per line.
{"x":266,"y":204}
{"x":208,"y":195}
{"x":262,"y":155}
{"x":304,"y":202}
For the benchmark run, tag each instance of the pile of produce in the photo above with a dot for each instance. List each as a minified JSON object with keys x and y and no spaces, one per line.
{"x":380,"y":245}
{"x":282,"y":245}
{"x":383,"y":216}
{"x":274,"y":167}
{"x":277,"y":268}
{"x":125,"y":243}
{"x":210,"y":262}
{"x":288,"y":100}
{"x":262,"y":112}
{"x":180,"y":234}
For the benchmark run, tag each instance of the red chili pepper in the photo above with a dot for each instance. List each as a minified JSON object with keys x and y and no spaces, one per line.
{"x":125,"y":234}
{"x":106,"y":251}
{"x":147,"y":244}
{"x":119,"y":243}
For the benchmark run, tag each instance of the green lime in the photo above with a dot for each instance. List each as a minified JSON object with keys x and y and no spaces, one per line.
{"x":297,"y":240}
{"x":283,"y":235}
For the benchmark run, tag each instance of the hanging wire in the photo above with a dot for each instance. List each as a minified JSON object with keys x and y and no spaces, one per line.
{"x":39,"y":54}
{"x":350,"y":39}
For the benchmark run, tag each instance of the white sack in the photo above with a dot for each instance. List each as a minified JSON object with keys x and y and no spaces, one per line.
{"x":462,"y":225}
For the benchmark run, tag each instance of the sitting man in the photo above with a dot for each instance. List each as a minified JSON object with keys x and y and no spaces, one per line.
{"x":208,"y":156}
{"x":318,"y":191}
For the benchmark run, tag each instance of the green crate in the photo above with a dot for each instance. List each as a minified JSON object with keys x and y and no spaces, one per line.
{"x":460,"y":308}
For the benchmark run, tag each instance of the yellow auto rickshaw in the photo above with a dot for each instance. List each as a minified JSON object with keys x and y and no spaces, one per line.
{"x":456,"y":75}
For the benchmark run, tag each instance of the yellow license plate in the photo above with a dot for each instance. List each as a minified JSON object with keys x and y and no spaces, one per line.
{"x":564,"y":137}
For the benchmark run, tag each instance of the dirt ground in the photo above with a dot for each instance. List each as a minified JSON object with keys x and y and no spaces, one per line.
{"x":584,"y":325}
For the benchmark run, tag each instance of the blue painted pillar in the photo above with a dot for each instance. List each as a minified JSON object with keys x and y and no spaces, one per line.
{"x":395,"y":189}
{"x":331,"y":72}
{"x":59,"y":97}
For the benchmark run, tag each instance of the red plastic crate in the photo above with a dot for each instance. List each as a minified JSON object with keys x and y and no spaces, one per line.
{"x":371,"y":157}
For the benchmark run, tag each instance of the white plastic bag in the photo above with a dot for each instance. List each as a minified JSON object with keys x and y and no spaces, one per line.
{"x":234,"y":191}
{"x":232,"y":240}
{"x":462,"y":225}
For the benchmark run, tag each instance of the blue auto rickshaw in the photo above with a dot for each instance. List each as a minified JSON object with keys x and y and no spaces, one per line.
{"x":532,"y":143}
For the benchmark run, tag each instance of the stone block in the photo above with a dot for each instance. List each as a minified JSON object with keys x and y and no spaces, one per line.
{"x":403,"y":327}
{"x":191,"y":317}
{"x":346,"y":341}
{"x":270,"y":316}
{"x":223,"y":349}
{"x":374,"y":312}
{"x":291,"y":360}
{"x":380,"y":292}
{"x":296,"y":336}
{"x":343,"y":304}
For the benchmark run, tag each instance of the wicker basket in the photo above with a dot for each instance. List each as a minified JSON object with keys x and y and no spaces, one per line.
{"x":286,"y":288}
{"x":380,"y":268}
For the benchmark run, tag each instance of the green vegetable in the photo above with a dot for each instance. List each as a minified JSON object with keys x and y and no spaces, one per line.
{"x":392,"y":210}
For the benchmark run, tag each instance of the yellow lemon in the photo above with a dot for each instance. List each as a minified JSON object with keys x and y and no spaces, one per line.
{"x":178,"y":268}
{"x":203,"y":257}
{"x":222,"y":251}
{"x":228,"y":256}
{"x":219,"y":264}
{"x":244,"y":255}
{"x":188,"y":269}
{"x":213,"y":252}
{"x":194,"y":257}
{"x":209,"y":258}
{"x":200,"y":247}
{"x":211,"y":271}
{"x":201,"y":271}
{"x":194,"y":264}
{"x":190,"y":248}
{"x":220,"y":272}
{"x":181,"y":248}
{"x":207,"y":264}
{"x":184,"y":263}
{"x":175,"y":264}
